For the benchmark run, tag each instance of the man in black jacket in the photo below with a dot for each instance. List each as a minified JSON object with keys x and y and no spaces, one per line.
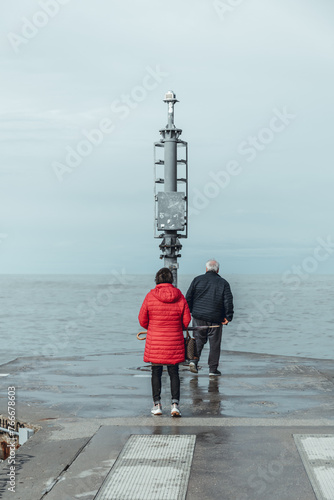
{"x":210,"y":302}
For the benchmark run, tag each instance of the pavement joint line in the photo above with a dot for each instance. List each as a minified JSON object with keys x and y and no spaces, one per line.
{"x":201,"y":422}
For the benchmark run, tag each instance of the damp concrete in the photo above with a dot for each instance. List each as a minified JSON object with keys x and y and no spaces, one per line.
{"x":244,"y":422}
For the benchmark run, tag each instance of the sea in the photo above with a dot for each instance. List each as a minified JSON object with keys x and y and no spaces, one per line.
{"x":71,"y":315}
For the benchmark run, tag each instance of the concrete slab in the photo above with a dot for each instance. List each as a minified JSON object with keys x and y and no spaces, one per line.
{"x":243,"y":463}
{"x":85,"y":475}
{"x":38,"y":464}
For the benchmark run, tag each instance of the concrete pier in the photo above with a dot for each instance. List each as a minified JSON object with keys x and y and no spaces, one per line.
{"x":251,"y":427}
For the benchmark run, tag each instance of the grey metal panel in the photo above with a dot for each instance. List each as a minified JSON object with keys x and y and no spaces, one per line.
{"x":150,"y":468}
{"x":171,"y":211}
{"x":317,"y":454}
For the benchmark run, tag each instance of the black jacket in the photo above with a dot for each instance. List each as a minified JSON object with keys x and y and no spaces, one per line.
{"x":210,"y":298}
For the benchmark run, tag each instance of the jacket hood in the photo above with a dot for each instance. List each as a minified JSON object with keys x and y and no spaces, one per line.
{"x":166,"y":292}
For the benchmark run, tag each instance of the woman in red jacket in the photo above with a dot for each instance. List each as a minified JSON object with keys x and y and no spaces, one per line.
{"x":165,"y":314}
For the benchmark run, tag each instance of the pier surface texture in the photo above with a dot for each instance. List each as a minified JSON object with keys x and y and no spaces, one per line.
{"x":263,"y":430}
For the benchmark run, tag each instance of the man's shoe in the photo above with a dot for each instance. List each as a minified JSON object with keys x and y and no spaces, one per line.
{"x":193,"y":367}
{"x":175,"y":410}
{"x":215,"y":373}
{"x":157,"y":409}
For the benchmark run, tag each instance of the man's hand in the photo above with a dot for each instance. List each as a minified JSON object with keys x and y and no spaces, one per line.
{"x":225,"y":322}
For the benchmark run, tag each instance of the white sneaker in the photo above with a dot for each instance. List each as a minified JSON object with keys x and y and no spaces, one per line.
{"x":175,"y":410}
{"x":193,"y":367}
{"x":157,"y":409}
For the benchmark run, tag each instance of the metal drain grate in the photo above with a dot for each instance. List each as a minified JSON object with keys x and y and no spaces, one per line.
{"x":317,"y":454}
{"x":150,"y":468}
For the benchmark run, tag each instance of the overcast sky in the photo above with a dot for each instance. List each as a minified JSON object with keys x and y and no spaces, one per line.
{"x":255,"y":82}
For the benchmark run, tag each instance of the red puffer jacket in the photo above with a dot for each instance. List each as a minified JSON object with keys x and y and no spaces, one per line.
{"x":165,"y":313}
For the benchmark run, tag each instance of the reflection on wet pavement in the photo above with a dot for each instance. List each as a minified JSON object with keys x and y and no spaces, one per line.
{"x":118,"y":385}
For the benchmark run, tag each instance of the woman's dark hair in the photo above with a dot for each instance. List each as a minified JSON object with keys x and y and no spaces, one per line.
{"x":164,"y":275}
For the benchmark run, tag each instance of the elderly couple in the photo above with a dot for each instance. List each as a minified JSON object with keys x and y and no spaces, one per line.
{"x":166,"y":313}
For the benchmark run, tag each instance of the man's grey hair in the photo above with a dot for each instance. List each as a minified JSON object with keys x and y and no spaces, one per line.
{"x":212,"y":265}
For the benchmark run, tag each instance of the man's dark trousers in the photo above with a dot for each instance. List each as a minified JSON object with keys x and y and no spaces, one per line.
{"x":214,"y":335}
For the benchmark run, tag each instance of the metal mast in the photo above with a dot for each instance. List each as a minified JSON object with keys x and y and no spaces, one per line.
{"x":171,"y":205}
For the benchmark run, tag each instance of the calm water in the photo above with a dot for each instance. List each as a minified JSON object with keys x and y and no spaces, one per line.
{"x":64,"y":315}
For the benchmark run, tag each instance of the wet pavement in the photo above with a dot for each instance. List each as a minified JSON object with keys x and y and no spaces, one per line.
{"x":244,"y":422}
